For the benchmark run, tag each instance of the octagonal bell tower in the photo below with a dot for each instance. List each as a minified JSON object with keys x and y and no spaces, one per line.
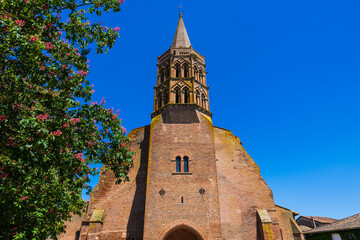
{"x":181,"y":76}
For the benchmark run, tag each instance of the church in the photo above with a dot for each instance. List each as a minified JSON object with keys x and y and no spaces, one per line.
{"x":191,"y":180}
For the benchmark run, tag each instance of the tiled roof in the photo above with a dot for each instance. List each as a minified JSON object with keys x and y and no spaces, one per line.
{"x":352,"y":222}
{"x":181,"y":38}
{"x":321,"y":219}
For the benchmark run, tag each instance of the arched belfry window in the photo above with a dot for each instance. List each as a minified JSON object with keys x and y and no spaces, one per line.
{"x":197,"y":97}
{"x":178,"y":70}
{"x":201,"y":77}
{"x":177,"y":95}
{"x":178,"y":164}
{"x":167,"y":71}
{"x":203,"y":101}
{"x":186,"y":164}
{"x":166,"y":97}
{"x":159,"y":100}
{"x":186,"y":95}
{"x":196,"y":73}
{"x":186,"y":70}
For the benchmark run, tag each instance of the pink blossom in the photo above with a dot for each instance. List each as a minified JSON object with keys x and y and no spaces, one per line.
{"x":48,"y":45}
{"x":92,"y":91}
{"x":82,"y":73}
{"x":93,"y":103}
{"x":74,"y":120}
{"x":116,"y":29}
{"x":114,"y":117}
{"x":124,"y":130}
{"x":56,"y":133}
{"x":111,"y":110}
{"x":121,"y":1}
{"x":20,"y":23}
{"x":90,"y":144}
{"x":33,"y":39}
{"x":42,"y":117}
{"x":3,"y":118}
{"x":103,"y":101}
{"x":79,"y":156}
{"x":131,"y":149}
{"x":24,"y":198}
{"x":65,"y":125}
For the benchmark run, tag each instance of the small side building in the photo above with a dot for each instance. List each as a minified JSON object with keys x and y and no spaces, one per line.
{"x":344,"y":229}
{"x":307,"y":223}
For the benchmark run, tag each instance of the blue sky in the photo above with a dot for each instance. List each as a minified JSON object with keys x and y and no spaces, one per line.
{"x":283,"y":76}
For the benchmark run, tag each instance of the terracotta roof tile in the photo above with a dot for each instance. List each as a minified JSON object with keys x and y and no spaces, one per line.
{"x":352,"y":222}
{"x":322,"y":219}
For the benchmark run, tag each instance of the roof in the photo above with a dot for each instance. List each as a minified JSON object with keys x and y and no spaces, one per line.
{"x":181,"y":38}
{"x":352,"y":222}
{"x":293,"y":212}
{"x":321,"y":219}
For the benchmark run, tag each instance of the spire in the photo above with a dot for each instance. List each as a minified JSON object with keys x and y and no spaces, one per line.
{"x":181,"y":38}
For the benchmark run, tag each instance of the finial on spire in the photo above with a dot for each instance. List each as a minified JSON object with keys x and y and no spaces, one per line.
{"x":180,"y":10}
{"x":181,"y":38}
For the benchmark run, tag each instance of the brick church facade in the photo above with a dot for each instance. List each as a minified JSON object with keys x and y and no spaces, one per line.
{"x":191,"y":180}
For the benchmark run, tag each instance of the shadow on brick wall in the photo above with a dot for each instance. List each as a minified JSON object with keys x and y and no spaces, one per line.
{"x":135,"y":226}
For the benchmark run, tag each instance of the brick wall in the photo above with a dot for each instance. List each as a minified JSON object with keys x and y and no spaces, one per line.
{"x":174,"y":134}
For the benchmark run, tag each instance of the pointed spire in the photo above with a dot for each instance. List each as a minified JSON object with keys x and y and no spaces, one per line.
{"x":181,"y":38}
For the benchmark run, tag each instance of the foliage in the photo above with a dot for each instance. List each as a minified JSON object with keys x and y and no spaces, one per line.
{"x":345,"y":235}
{"x":49,"y":130}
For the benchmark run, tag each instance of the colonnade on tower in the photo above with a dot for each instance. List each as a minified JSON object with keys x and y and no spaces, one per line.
{"x":181,"y":75}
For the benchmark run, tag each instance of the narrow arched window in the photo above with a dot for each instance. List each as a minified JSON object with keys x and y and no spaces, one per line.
{"x":186,"y":95}
{"x":159,"y":100}
{"x":197,"y":97}
{"x":178,"y":164}
{"x":186,"y":70}
{"x":201,"y":77}
{"x":177,"y":95}
{"x":161,"y":77}
{"x":178,"y":70}
{"x":167,"y":72}
{"x":166,"y":97}
{"x":186,"y":164}
{"x":196,"y":73}
{"x":203,"y":101}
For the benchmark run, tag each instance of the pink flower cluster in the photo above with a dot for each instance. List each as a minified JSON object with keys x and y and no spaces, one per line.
{"x":20,"y":23}
{"x":42,"y":117}
{"x":114,"y":117}
{"x":82,"y":73}
{"x":124,"y":130}
{"x":3,"y":174}
{"x":116,"y":29}
{"x":65,"y":125}
{"x":121,"y":1}
{"x":3,"y":118}
{"x":74,"y":120}
{"x":24,"y":198}
{"x":56,"y":133}
{"x":48,"y":45}
{"x":79,"y":156}
{"x":33,"y":39}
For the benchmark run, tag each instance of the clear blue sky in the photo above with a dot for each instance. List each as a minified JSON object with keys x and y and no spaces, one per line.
{"x":283,"y":76}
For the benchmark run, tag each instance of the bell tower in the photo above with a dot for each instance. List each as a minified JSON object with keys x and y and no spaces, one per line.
{"x":181,"y":76}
